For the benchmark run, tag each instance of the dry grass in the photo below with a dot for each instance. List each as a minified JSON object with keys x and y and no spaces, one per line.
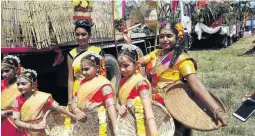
{"x":230,"y":75}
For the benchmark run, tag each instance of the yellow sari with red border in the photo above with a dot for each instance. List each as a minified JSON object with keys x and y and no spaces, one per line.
{"x":8,"y":95}
{"x":88,"y":89}
{"x":33,"y":111}
{"x":77,"y":64}
{"x":127,"y":87}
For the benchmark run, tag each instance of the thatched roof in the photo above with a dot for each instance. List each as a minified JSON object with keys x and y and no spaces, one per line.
{"x":42,"y":23}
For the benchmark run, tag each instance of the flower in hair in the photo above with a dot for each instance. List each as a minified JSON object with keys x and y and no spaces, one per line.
{"x":179,"y":27}
{"x":94,"y":55}
{"x":30,"y":71}
{"x":12,"y":57}
{"x":129,"y":47}
{"x":163,"y":24}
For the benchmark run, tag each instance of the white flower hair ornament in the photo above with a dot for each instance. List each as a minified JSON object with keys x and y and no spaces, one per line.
{"x":30,"y":71}
{"x":95,"y":54}
{"x":12,"y":57}
{"x":129,"y":47}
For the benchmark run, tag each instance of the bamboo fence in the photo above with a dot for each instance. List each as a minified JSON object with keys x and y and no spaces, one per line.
{"x":40,"y":24}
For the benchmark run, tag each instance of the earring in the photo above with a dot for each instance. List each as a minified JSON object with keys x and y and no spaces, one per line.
{"x":97,"y":74}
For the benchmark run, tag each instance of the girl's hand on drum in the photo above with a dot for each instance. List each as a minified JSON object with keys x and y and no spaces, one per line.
{"x":122,"y":109}
{"x":223,"y":118}
{"x":41,"y":125}
{"x":79,"y":115}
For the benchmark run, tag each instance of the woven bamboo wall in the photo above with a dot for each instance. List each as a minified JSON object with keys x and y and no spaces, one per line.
{"x":36,"y":23}
{"x":40,"y":24}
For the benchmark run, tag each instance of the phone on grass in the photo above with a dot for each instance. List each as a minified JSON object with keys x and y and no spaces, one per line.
{"x":245,"y":110}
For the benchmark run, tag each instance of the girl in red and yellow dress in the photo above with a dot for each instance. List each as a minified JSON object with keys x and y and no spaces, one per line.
{"x":94,"y":95}
{"x":170,"y":64}
{"x":134,"y":98}
{"x":10,"y":68}
{"x":30,"y":107}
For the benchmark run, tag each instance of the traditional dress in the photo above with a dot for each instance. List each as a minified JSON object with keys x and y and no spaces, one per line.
{"x":32,"y":110}
{"x":163,"y":76}
{"x":90,"y":98}
{"x":77,"y":64}
{"x":131,"y":92}
{"x":8,"y":95}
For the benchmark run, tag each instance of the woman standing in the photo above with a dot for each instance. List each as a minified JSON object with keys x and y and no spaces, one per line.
{"x":10,"y":69}
{"x":94,"y":95}
{"x":170,"y":64}
{"x":30,"y":107}
{"x":82,"y":33}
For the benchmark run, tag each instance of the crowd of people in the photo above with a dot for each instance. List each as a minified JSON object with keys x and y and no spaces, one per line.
{"x":131,"y":110}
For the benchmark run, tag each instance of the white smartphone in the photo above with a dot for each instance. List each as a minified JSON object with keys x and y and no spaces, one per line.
{"x":245,"y":110}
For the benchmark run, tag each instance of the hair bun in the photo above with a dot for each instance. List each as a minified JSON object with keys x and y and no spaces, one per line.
{"x":86,"y":23}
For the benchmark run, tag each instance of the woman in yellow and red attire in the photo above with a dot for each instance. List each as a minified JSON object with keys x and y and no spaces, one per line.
{"x":171,"y":64}
{"x":83,"y":25}
{"x":30,"y":107}
{"x":95,"y":93}
{"x":9,"y":91}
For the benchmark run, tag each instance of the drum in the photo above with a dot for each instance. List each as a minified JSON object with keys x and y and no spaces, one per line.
{"x":188,"y":109}
{"x":126,"y":126}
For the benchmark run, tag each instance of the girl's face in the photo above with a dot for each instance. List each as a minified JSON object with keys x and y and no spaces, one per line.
{"x":24,"y":86}
{"x":82,"y":36}
{"x":8,"y":73}
{"x":127,"y":67}
{"x":167,"y":39}
{"x":89,"y":71}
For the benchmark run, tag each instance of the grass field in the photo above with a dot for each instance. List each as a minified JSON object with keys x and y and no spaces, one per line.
{"x":230,"y":75}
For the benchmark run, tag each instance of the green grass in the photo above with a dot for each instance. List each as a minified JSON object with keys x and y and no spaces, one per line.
{"x":229,"y":75}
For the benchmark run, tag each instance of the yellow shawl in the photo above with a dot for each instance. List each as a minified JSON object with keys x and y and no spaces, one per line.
{"x":32,"y":108}
{"x":8,"y":96}
{"x":87,"y":90}
{"x":127,"y":87}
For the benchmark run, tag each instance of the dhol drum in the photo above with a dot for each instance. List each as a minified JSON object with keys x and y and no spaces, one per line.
{"x":126,"y":126}
{"x":188,"y":109}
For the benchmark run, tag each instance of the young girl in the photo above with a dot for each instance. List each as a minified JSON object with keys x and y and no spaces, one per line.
{"x":30,"y":107}
{"x":9,"y":70}
{"x":135,"y":94}
{"x":93,"y":99}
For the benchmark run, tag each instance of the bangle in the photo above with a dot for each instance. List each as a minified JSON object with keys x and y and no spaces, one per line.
{"x":149,"y":119}
{"x":30,"y":126}
{"x":76,"y":110}
{"x":107,"y":106}
{"x":216,"y":111}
